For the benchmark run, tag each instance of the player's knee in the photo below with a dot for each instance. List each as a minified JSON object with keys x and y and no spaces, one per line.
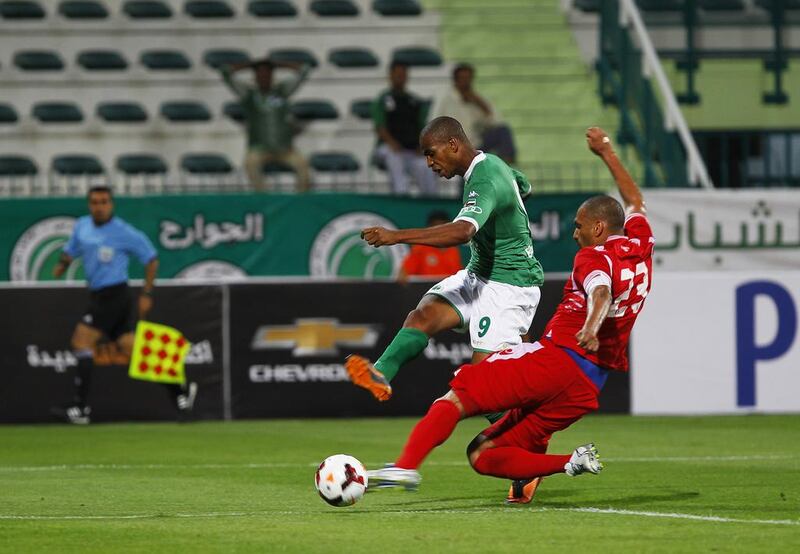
{"x":419,"y":318}
{"x":474,"y":449}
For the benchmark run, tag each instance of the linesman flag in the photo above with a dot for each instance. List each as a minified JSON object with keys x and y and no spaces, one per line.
{"x":158,"y":354}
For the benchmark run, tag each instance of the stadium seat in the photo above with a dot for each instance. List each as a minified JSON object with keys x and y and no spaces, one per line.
{"x":293,"y":55}
{"x":362,"y":109}
{"x":147,"y":9}
{"x":137,"y":164}
{"x":11,"y":165}
{"x":333,"y":8}
{"x":660,"y":5}
{"x":21,"y":9}
{"x":234,"y":111}
{"x":417,"y":56}
{"x":217,"y":57}
{"x":788,"y":4}
{"x":206,"y":163}
{"x":101,"y":60}
{"x":121,"y":112}
{"x":271,"y":8}
{"x":8,"y":114}
{"x":588,"y":6}
{"x":308,"y":110}
{"x":160,"y":60}
{"x":77,"y":164}
{"x":334,"y":161}
{"x":82,"y":9}
{"x":38,"y":60}
{"x":208,"y":9}
{"x":57,"y":112}
{"x":185,"y":111}
{"x":352,"y":57}
{"x":721,"y":5}
{"x":396,"y":7}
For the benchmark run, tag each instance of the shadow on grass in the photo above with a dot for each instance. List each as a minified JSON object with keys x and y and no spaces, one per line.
{"x":622,"y":501}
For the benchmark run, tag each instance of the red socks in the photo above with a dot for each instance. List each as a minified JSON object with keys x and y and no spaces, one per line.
{"x":431,"y":431}
{"x":511,"y":462}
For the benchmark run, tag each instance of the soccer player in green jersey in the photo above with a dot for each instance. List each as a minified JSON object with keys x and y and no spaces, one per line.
{"x":496,"y":296}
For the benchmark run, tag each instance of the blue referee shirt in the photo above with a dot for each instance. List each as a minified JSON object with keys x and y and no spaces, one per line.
{"x":106,"y":250}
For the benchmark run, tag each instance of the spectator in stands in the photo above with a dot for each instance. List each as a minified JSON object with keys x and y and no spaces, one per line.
{"x":399,"y":116}
{"x":429,"y":261}
{"x":476,"y":114}
{"x":269,"y":122}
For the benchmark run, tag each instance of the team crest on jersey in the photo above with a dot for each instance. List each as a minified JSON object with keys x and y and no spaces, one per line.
{"x":473,"y":194}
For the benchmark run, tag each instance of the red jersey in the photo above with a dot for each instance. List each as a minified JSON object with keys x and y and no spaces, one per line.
{"x":432,"y":261}
{"x":625,"y":264}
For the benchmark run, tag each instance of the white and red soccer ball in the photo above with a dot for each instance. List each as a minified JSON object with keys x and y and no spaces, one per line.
{"x":341,"y":480}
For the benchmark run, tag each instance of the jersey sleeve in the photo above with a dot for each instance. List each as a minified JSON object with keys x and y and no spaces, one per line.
{"x":592,"y":268}
{"x":140,"y":246}
{"x":523,"y":184}
{"x":637,"y":228}
{"x":481,"y":202}
{"x":73,"y":247}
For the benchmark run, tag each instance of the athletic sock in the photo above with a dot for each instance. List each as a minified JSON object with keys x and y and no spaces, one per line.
{"x":83,"y":376}
{"x":406,"y":345}
{"x":494,"y":417}
{"x":431,"y":431}
{"x":512,"y":462}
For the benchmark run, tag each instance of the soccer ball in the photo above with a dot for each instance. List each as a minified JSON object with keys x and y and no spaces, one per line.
{"x":341,"y":480}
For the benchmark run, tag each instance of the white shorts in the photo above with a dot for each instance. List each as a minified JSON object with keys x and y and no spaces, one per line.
{"x":495,"y":313}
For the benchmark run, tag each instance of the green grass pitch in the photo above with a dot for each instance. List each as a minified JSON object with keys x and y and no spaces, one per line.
{"x":701,"y":484}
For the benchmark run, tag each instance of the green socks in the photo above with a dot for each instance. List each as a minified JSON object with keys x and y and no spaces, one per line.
{"x":407,"y":344}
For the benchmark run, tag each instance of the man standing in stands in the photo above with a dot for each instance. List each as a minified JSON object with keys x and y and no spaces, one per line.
{"x":399,"y":116}
{"x":106,"y":243}
{"x":268,"y":118}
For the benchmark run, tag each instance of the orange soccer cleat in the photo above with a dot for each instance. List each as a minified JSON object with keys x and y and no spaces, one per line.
{"x":364,"y":374}
{"x":521,"y":492}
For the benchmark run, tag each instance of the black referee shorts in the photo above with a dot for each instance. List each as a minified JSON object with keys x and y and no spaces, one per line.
{"x":111,"y":310}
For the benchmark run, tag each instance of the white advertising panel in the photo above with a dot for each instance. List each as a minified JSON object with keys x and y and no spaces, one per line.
{"x":718,"y":342}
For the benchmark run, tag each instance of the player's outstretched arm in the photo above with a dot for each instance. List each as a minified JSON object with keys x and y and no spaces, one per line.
{"x":448,"y":234}
{"x":61,"y":266}
{"x":600,"y":144}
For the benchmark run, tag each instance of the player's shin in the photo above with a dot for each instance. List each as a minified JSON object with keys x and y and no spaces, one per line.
{"x":407,"y":344}
{"x":83,"y":376}
{"x":431,"y":431}
{"x":511,"y":462}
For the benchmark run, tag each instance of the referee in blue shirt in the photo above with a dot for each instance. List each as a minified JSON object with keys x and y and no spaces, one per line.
{"x":106,"y":244}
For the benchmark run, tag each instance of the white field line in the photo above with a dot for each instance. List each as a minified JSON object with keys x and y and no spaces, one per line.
{"x":465,"y":511}
{"x":292,"y":465}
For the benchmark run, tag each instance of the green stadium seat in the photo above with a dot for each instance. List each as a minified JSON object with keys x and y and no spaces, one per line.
{"x":8,"y":114}
{"x":185,"y":111}
{"x":161,"y":60}
{"x":362,"y":109}
{"x":217,"y":57}
{"x":721,"y":5}
{"x":38,"y":60}
{"x":333,"y":8}
{"x":206,"y":163}
{"x":417,"y":56}
{"x":21,"y":9}
{"x":396,"y":7}
{"x":57,"y":112}
{"x":121,"y":112}
{"x":588,"y":6}
{"x":77,"y":164}
{"x":788,"y":4}
{"x":660,"y":5}
{"x":147,"y":9}
{"x":293,"y":55}
{"x":101,"y":60}
{"x":208,"y":9}
{"x":82,"y":9}
{"x":309,"y":110}
{"x":352,"y":57}
{"x":271,"y":8}
{"x":334,"y":161}
{"x":14,"y":166}
{"x":233,"y":110}
{"x":138,"y":164}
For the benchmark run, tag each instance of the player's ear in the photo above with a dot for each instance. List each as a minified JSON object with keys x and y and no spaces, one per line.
{"x":453,"y":143}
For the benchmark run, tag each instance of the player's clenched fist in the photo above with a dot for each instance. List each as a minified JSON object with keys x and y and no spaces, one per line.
{"x":378,"y":236}
{"x":587,"y":340}
{"x":598,"y":141}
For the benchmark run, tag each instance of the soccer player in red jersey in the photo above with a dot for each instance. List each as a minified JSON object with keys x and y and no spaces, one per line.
{"x":548,"y":385}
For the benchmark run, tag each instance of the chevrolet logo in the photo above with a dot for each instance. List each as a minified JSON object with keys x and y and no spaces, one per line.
{"x":314,"y":337}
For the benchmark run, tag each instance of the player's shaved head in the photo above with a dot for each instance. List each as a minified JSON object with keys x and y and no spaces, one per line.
{"x":605,"y":208}
{"x":442,"y":129}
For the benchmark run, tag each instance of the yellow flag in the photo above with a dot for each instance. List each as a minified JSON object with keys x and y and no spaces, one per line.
{"x":158,"y":354}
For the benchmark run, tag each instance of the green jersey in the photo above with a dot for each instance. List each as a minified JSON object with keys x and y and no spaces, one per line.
{"x":502,"y":247}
